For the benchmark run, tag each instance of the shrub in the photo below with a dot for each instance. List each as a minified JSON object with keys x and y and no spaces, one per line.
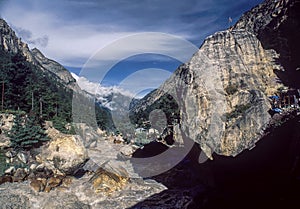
{"x":60,"y":124}
{"x":141,"y":139}
{"x":3,"y":164}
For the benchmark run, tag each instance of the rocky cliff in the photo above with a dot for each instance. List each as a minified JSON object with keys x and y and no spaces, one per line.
{"x":53,"y":67}
{"x":276,"y":24}
{"x":11,"y":43}
{"x":222,"y":91}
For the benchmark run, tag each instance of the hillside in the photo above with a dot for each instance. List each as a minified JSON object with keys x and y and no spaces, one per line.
{"x":37,"y":85}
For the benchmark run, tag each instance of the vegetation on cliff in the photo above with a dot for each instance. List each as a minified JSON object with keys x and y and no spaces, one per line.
{"x":166,"y":103}
{"x":26,"y":88}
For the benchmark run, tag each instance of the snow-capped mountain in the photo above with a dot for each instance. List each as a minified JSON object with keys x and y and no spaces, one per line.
{"x":106,"y":96}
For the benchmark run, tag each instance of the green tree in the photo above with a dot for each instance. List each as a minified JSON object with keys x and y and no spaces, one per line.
{"x":26,"y":132}
{"x":28,"y":88}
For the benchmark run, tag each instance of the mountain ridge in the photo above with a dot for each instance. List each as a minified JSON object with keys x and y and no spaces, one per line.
{"x":39,"y":85}
{"x":11,"y":43}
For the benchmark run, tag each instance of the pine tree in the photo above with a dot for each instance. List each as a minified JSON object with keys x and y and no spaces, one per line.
{"x":29,"y":89}
{"x":26,"y":133}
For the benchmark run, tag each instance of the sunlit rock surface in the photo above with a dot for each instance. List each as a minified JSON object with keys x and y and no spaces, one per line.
{"x":66,"y":153}
{"x":222,"y":92}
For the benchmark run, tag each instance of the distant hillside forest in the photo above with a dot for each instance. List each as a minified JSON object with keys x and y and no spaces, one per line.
{"x":24,"y":87}
{"x":166,"y":103}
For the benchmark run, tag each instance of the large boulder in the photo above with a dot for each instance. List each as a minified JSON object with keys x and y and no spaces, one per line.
{"x":89,"y":134}
{"x":110,"y":177}
{"x":68,"y":202}
{"x":222,"y":92}
{"x":65,"y":153}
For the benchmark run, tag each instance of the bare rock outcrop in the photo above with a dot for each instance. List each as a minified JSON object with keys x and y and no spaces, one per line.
{"x":66,"y":153}
{"x":6,"y":123}
{"x":109,"y":178}
{"x":224,"y":107}
{"x":10,"y":200}
{"x":276,"y":23}
{"x":222,"y":92}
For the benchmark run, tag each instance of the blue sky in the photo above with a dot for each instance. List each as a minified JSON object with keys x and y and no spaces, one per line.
{"x":72,"y":31}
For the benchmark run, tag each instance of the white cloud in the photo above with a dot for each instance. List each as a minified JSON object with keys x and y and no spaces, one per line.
{"x":101,"y":93}
{"x":71,"y":41}
{"x":76,"y":29}
{"x":157,"y":43}
{"x":95,"y":88}
{"x":141,"y":81}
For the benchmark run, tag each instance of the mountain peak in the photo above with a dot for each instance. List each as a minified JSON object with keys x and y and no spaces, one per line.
{"x":263,"y":14}
{"x":36,"y":50}
{"x":12,"y":44}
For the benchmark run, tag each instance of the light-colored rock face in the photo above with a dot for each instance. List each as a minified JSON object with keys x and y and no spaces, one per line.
{"x":264,"y":14}
{"x":277,"y":26}
{"x":8,"y":40}
{"x":10,"y":200}
{"x":6,"y":123}
{"x":222,"y":92}
{"x":88,"y":134}
{"x":66,"y":153}
{"x":226,"y":110}
{"x":11,"y":43}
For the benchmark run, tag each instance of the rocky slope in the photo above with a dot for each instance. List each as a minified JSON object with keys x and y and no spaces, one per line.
{"x":11,"y":43}
{"x":222,"y":91}
{"x":107,"y":180}
{"x":63,"y":173}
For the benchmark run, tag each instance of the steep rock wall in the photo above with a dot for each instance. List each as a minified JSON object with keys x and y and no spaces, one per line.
{"x":223,"y":90}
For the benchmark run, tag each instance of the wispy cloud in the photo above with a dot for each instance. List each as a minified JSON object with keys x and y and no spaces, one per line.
{"x":146,"y":79}
{"x":28,"y":37}
{"x":71,"y":31}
